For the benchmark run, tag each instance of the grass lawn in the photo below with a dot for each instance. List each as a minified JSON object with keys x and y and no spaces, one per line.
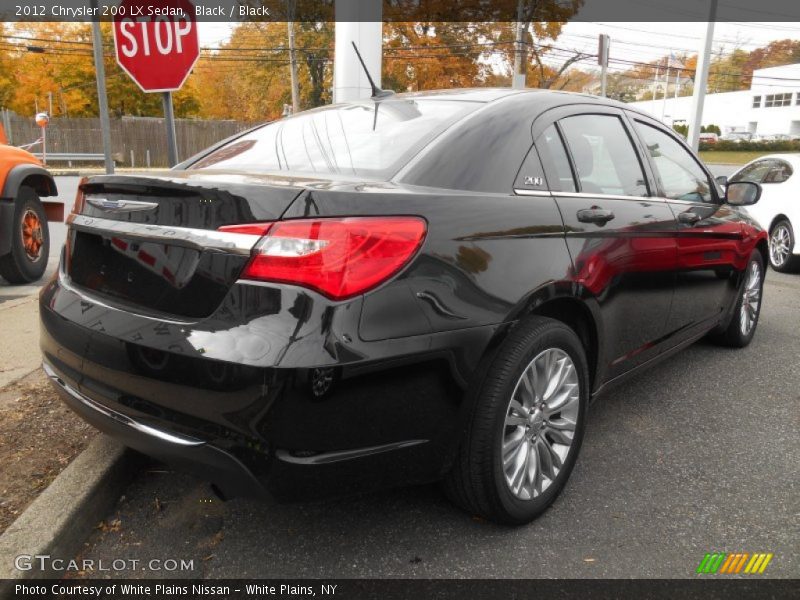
{"x":732,"y":157}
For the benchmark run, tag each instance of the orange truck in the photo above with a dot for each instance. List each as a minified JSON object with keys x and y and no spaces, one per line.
{"x":24,"y":233}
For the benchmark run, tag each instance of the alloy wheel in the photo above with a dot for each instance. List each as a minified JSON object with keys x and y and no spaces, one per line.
{"x":540,"y":423}
{"x":32,"y":235}
{"x":751,"y":299}
{"x":779,"y":249}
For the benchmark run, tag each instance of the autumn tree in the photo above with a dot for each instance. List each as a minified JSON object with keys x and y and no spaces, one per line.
{"x":55,"y":60}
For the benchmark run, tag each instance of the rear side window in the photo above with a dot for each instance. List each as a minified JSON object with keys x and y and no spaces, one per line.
{"x":681,"y":176}
{"x":603,"y":155}
{"x":754,"y":172}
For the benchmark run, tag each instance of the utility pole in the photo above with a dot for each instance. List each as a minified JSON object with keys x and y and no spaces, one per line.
{"x":518,"y":76}
{"x":102,"y":100}
{"x":701,"y":80}
{"x":603,"y":47}
{"x":293,"y":60}
{"x":666,"y":90}
{"x":655,"y":86}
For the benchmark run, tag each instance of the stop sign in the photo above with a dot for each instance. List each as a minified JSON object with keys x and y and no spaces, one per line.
{"x":156,"y":42}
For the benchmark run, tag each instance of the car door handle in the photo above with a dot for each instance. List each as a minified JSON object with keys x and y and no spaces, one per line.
{"x":688,"y":217}
{"x":595,"y":215}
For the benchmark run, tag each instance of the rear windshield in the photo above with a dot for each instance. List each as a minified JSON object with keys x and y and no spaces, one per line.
{"x":364,"y":139}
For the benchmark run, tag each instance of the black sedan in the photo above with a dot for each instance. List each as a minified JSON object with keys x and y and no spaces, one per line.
{"x":398,"y":290}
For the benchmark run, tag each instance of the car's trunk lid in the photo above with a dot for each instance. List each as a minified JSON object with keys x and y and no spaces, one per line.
{"x":153,"y":242}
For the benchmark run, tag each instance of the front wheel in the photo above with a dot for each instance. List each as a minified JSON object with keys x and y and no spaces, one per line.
{"x":30,"y":240}
{"x":742,"y":327}
{"x":527,"y":425}
{"x":781,"y":246}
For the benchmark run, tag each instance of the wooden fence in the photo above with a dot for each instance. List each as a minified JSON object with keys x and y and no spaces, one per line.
{"x":135,"y":141}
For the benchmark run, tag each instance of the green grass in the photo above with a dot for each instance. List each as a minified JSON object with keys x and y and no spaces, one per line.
{"x":732,"y":157}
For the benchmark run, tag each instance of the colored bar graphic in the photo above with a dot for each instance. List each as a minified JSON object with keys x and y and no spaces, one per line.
{"x":732,"y":563}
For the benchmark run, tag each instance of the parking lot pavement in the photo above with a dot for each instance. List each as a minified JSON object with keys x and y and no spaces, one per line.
{"x":698,"y":455}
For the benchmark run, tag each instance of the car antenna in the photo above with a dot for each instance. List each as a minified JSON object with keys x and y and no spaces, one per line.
{"x":376,"y":91}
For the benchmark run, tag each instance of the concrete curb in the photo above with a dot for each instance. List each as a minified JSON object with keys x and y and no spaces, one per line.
{"x":61,"y":518}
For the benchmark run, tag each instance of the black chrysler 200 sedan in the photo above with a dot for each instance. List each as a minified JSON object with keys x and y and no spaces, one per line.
{"x":399,"y":290}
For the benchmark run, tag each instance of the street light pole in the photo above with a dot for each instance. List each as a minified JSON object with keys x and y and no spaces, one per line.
{"x":701,"y":80}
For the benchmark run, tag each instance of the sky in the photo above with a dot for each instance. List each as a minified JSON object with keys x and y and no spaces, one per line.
{"x":642,"y":42}
{"x":648,"y":41}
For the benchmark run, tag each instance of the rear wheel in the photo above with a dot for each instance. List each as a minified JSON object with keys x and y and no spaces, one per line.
{"x":781,"y":246}
{"x":742,"y":327}
{"x":30,"y":240}
{"x":527,"y":426}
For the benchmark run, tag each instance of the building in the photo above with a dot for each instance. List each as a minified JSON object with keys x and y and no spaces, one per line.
{"x":770,"y":106}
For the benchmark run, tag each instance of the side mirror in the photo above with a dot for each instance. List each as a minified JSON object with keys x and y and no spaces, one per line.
{"x":722,"y":179}
{"x":742,"y":193}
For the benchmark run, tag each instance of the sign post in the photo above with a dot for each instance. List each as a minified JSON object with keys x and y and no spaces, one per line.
{"x":42,"y":119}
{"x":169,"y":118}
{"x":158,"y":52}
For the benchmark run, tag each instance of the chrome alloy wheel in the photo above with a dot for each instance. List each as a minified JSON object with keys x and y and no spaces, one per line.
{"x":779,"y":249}
{"x":751,"y":299}
{"x":540,"y":423}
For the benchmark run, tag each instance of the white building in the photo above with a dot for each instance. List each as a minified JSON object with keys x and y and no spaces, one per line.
{"x":771,"y":105}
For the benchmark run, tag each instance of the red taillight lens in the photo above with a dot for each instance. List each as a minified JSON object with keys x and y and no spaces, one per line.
{"x":339,"y":258}
{"x":258,"y":229}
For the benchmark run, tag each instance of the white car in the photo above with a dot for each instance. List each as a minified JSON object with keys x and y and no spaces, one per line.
{"x":778,"y":210}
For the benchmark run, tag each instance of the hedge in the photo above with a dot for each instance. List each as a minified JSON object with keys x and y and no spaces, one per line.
{"x":731,"y":146}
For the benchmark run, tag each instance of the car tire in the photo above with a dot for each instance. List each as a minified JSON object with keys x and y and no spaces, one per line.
{"x":744,"y":321}
{"x":30,"y":240}
{"x":484,"y":479}
{"x":781,"y":244}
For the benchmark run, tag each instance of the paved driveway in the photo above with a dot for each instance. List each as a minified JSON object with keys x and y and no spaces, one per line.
{"x":699,"y":454}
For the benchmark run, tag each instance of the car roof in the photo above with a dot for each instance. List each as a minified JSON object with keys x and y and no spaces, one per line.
{"x":492,"y":94}
{"x":542,"y":99}
{"x":792,"y":158}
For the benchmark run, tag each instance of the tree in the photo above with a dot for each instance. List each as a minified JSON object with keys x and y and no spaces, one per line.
{"x":432,"y":55}
{"x":539,"y":23}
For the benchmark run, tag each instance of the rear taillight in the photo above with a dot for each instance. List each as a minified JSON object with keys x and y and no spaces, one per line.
{"x":339,"y":258}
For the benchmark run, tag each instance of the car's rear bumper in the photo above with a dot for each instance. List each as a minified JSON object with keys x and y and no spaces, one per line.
{"x":227,"y":472}
{"x":390,"y":413}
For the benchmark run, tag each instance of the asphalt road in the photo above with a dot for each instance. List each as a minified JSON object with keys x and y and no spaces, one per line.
{"x":698,"y":455}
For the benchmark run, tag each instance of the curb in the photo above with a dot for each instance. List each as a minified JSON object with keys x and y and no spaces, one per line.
{"x":61,"y":518}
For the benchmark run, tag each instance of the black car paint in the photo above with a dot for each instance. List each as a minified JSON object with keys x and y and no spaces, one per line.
{"x":307,"y":396}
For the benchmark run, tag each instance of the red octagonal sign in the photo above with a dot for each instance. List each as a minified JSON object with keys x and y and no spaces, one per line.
{"x":156,"y":42}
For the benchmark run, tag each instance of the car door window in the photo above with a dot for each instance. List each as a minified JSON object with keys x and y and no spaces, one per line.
{"x":682,"y":178}
{"x":603,"y":155}
{"x":778,"y":173}
{"x":754,"y":172}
